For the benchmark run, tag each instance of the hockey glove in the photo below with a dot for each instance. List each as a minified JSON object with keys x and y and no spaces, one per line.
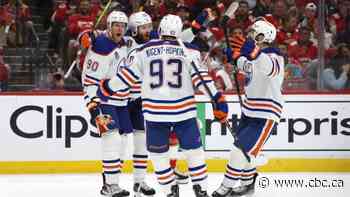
{"x":93,"y":108}
{"x":250,"y":50}
{"x":220,"y":108}
{"x":244,"y":47}
{"x":231,"y":56}
{"x":197,"y":24}
{"x":87,"y":39}
{"x":104,"y":123}
{"x":103,"y":91}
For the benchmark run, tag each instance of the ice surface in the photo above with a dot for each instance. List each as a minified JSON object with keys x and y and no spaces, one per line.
{"x":88,"y":185}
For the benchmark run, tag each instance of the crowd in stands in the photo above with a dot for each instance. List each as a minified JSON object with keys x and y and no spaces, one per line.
{"x":297,"y":22}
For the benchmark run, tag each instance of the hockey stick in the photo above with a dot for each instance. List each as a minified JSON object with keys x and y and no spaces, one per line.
{"x":70,"y":69}
{"x":227,"y":124}
{"x":101,"y":15}
{"x":229,"y":14}
{"x":98,"y":21}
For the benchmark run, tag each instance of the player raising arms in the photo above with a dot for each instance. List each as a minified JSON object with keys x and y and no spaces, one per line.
{"x":168,"y":103}
{"x":105,"y":56}
{"x":263,"y":66}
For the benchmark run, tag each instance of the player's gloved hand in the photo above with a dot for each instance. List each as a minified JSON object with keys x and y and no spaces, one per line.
{"x":245,"y":47}
{"x":87,"y":39}
{"x":103,"y":91}
{"x":221,"y":108}
{"x":197,"y":24}
{"x":236,"y":42}
{"x":104,"y":123}
{"x":250,"y":50}
{"x":93,"y":108}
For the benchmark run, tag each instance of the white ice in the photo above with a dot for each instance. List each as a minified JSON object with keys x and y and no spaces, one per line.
{"x":88,"y":185}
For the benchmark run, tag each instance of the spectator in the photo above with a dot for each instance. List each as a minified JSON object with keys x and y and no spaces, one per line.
{"x":61,"y":12}
{"x":289,"y":33}
{"x":78,"y":23}
{"x":242,"y":17}
{"x":4,"y":73}
{"x":279,"y":14}
{"x":262,"y":8}
{"x":23,"y":20}
{"x":309,"y":15}
{"x":6,"y":21}
{"x":336,"y":75}
{"x":56,"y":81}
{"x":337,"y":21}
{"x":343,"y":37}
{"x":303,"y":50}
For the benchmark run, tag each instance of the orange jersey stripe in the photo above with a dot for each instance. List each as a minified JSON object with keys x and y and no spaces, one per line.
{"x":199,"y":173}
{"x":262,"y":138}
{"x":114,"y":166}
{"x":165,"y":177}
{"x":262,"y":105}
{"x":188,"y":103}
{"x":127,"y":76}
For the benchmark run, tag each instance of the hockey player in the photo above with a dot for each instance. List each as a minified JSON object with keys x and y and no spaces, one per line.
{"x":140,"y":24}
{"x":141,"y":30}
{"x":263,"y":66}
{"x":105,"y":56}
{"x":167,"y":92}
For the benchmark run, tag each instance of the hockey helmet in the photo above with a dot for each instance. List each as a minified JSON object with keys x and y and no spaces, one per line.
{"x":265,"y":28}
{"x":170,"y":25}
{"x":138,"y":19}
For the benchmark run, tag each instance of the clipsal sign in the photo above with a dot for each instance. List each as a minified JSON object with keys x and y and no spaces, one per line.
{"x":53,"y":117}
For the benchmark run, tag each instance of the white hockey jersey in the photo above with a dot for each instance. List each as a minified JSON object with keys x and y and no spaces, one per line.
{"x":135,"y":91}
{"x":103,"y":60}
{"x":263,"y":84}
{"x":168,"y":82}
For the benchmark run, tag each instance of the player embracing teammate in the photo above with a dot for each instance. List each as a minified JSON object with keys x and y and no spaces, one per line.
{"x":166,"y":73}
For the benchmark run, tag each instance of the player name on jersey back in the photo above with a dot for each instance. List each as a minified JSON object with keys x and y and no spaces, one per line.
{"x":168,"y":50}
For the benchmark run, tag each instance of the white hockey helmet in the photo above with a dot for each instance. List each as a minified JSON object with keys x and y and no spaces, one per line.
{"x":116,"y":17}
{"x":138,"y":19}
{"x":170,"y":25}
{"x":263,"y":27}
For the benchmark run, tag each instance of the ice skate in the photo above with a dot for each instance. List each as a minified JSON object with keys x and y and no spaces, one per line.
{"x":174,"y":191}
{"x":222,"y":191}
{"x":181,"y":178}
{"x":113,"y":190}
{"x":143,"y":189}
{"x":199,"y":192}
{"x":244,"y":190}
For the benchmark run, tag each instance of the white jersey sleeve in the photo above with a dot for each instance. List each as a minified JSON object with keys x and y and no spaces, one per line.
{"x":263,"y":84}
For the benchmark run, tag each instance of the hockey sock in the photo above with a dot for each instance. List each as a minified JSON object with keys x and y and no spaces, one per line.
{"x":163,"y":171}
{"x":234,"y":168}
{"x":140,"y":156}
{"x":123,"y":150}
{"x":110,"y":156}
{"x":173,"y":155}
{"x":197,"y":167}
{"x":248,"y":174}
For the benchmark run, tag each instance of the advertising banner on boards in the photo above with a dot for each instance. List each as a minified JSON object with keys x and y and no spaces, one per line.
{"x":56,"y":127}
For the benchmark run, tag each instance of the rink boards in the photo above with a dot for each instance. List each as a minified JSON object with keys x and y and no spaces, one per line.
{"x":49,"y":133}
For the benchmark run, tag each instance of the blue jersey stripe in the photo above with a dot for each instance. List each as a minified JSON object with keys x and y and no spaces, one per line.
{"x":168,"y":101}
{"x":262,"y":110}
{"x":264,"y":99}
{"x":169,"y":112}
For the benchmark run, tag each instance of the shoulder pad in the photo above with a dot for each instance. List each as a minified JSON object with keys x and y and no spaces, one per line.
{"x":272,"y":50}
{"x":191,"y":46}
{"x":103,"y":45}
